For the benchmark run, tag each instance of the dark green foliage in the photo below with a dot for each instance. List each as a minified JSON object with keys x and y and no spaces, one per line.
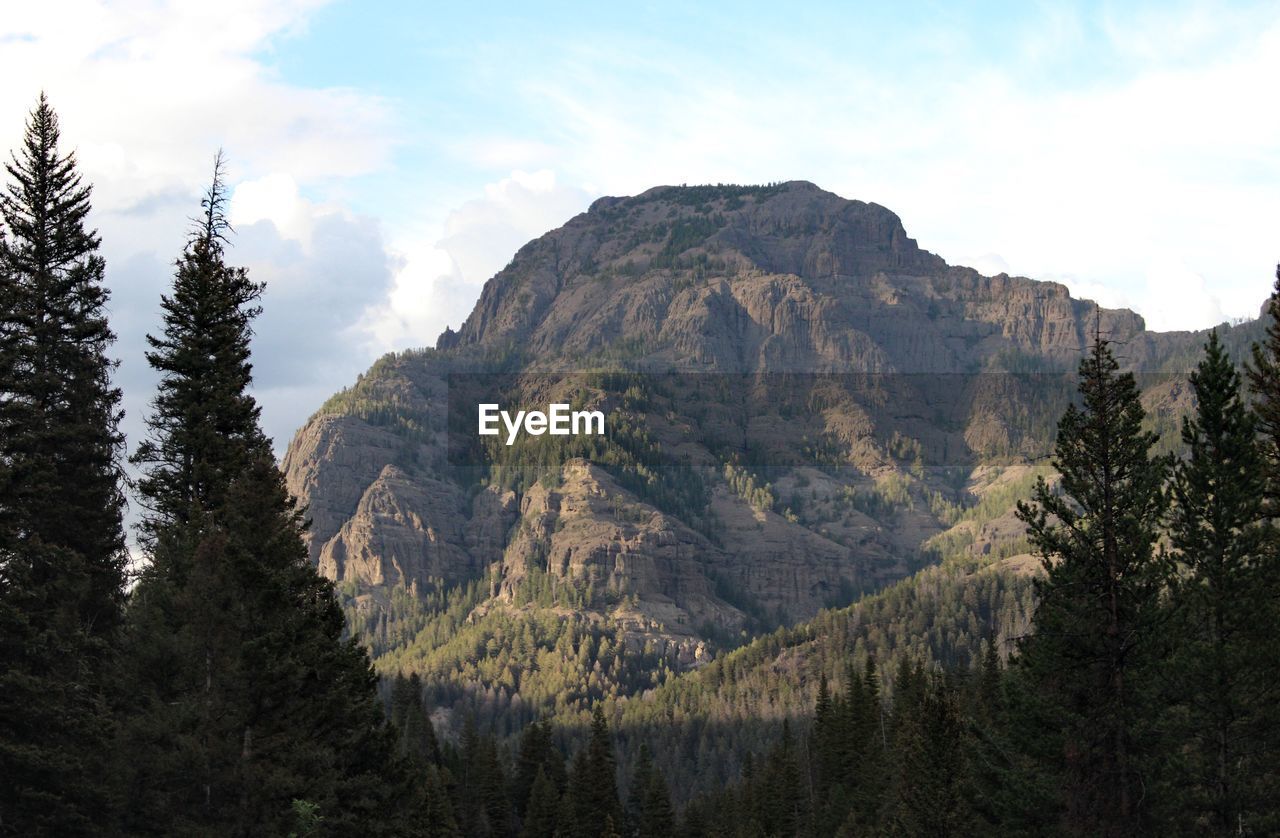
{"x":930,"y":788}
{"x":593,"y":782}
{"x":203,"y":427}
{"x":900,"y":767}
{"x":245,"y":696}
{"x":537,"y":757}
{"x":62,"y":554}
{"x":437,"y":819}
{"x":649,"y":812}
{"x":685,"y":234}
{"x":417,"y":738}
{"x":542,"y":808}
{"x":1221,"y":684}
{"x":940,"y":617}
{"x":483,"y":805}
{"x":1264,"y":381}
{"x":1089,"y":661}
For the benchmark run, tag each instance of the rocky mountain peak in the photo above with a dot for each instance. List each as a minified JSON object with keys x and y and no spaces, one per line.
{"x":733,"y":280}
{"x":668,"y":235}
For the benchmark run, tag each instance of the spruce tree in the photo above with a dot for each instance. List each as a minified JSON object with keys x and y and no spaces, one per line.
{"x":537,"y":753}
{"x":930,"y":792}
{"x":639,"y":788}
{"x":593,"y":783}
{"x":1088,"y":661}
{"x":657,"y":816}
{"x":416,"y":735}
{"x":1221,"y":673}
{"x":824,"y":741}
{"x":247,"y":696}
{"x":62,"y":553}
{"x":203,"y":426}
{"x":649,"y":812}
{"x":865,"y":756}
{"x":1263,"y":373}
{"x":437,"y":819}
{"x":541,"y":809}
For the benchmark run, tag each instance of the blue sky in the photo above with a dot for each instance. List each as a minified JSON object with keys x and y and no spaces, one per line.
{"x":388,"y":158}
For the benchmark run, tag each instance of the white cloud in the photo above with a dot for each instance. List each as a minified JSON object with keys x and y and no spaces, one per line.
{"x":445,"y":268}
{"x":312,"y":337}
{"x":275,"y":198}
{"x":146,"y":92}
{"x":1178,"y":298}
{"x":987,"y":264}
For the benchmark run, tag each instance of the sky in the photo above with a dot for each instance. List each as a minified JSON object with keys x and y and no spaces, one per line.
{"x":387,"y":158}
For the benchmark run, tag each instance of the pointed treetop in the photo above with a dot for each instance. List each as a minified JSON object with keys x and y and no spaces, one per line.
{"x":45,"y":204}
{"x":42,"y":130}
{"x":214,"y":226}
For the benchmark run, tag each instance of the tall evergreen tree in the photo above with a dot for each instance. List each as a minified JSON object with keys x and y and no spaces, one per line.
{"x":649,"y":812}
{"x":929,"y":795}
{"x":593,"y":784}
{"x":657,"y":816}
{"x":865,"y":754}
{"x":417,"y":736}
{"x":1263,"y":373}
{"x":203,"y":426}
{"x":62,"y":555}
{"x":542,"y":808}
{"x":248,"y":699}
{"x":483,"y":804}
{"x":825,"y":740}
{"x":537,"y":753}
{"x":437,"y":820}
{"x":1088,"y":661}
{"x":1221,"y":538}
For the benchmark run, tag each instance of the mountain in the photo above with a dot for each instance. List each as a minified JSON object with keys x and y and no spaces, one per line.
{"x":804,"y":407}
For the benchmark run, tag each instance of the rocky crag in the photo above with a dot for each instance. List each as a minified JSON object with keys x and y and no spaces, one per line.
{"x":677,"y":533}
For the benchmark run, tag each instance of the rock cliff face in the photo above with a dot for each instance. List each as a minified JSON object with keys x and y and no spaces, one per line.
{"x":668,"y":529}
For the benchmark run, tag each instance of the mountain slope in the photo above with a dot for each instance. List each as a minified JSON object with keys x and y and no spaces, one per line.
{"x":803,"y":406}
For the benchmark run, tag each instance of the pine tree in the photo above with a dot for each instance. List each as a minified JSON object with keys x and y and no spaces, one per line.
{"x":417,"y":736}
{"x":438,"y":820}
{"x":1217,"y":674}
{"x":1263,"y":375}
{"x":866,"y":753}
{"x":929,"y":794}
{"x":62,"y":555}
{"x":203,"y":427}
{"x":657,"y":816}
{"x":824,"y":741}
{"x":575,"y":816}
{"x":541,"y":809}
{"x":639,"y":788}
{"x":593,"y":782}
{"x":247,"y":698}
{"x":1264,"y":382}
{"x":537,"y":753}
{"x":649,"y":812}
{"x":1089,"y":659}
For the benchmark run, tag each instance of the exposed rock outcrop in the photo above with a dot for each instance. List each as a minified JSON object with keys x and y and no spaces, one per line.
{"x":848,"y":484}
